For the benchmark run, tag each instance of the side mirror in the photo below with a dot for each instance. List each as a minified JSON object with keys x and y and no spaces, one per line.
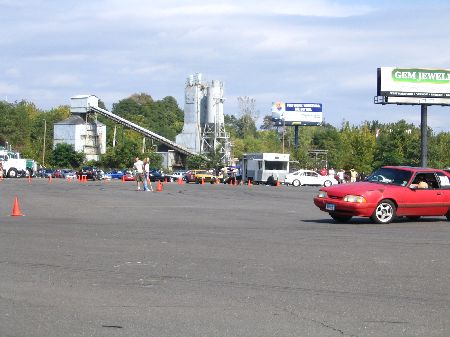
{"x":413,"y":187}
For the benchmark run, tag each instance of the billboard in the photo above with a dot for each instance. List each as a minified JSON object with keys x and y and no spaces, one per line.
{"x":413,"y":82}
{"x":297,"y":113}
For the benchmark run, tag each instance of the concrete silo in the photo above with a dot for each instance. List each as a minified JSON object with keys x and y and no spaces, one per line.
{"x":204,"y":129}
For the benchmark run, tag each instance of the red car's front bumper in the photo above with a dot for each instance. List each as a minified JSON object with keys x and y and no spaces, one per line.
{"x":338,"y":206}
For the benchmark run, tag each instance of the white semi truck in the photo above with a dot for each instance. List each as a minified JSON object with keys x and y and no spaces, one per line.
{"x":263,"y":168}
{"x":13,"y":165}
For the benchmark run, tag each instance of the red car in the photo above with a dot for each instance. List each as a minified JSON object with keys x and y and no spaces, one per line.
{"x":128,"y":176}
{"x":389,"y":192}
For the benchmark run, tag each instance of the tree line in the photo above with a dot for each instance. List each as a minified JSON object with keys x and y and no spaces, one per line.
{"x":363,"y":147}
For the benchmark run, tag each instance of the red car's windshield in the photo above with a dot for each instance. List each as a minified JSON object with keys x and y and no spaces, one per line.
{"x":390,"y":176}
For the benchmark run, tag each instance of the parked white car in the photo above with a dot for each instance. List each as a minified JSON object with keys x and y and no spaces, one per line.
{"x":308,"y":177}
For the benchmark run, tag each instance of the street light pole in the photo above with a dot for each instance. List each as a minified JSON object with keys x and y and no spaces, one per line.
{"x":284,"y":129}
{"x":43,"y":151}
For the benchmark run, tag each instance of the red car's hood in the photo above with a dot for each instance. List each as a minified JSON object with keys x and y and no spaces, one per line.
{"x":358,"y":188}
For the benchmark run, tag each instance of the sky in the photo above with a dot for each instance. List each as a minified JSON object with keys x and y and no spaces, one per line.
{"x":321,"y":51}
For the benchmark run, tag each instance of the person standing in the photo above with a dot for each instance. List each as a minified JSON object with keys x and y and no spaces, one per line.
{"x":341,"y":176}
{"x":331,"y":172}
{"x":353,"y":175}
{"x":147,"y":181}
{"x":139,"y":172}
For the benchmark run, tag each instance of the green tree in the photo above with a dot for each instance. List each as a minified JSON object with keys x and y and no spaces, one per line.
{"x":397,"y":144}
{"x":64,"y":155}
{"x":197,"y":162}
{"x":439,"y":150}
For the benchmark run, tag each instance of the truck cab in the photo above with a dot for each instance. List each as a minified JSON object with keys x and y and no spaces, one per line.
{"x":13,"y":165}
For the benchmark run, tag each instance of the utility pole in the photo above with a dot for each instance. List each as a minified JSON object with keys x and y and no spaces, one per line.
{"x":43,"y":151}
{"x":114,"y":137}
{"x":284,"y":129}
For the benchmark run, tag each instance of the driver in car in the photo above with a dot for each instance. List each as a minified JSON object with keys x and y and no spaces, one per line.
{"x":419,"y":183}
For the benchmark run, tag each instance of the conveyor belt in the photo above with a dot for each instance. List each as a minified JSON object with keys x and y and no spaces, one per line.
{"x":143,"y":131}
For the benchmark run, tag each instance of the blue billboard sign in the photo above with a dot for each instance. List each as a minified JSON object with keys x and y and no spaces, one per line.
{"x":297,"y":113}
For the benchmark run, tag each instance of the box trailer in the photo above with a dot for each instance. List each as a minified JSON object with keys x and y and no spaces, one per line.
{"x":260,"y":167}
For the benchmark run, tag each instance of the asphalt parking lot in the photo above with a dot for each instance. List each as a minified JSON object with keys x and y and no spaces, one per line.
{"x":102,"y":259}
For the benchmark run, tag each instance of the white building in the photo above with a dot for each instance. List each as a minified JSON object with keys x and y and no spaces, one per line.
{"x":86,"y":137}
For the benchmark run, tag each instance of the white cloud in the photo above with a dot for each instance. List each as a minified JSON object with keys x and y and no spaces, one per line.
{"x":8,"y":89}
{"x":64,"y":80}
{"x":165,"y":9}
{"x":316,"y":50}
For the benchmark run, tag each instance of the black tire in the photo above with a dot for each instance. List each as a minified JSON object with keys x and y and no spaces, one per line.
{"x":296,"y":183}
{"x":12,"y":173}
{"x":384,"y":213}
{"x":327,"y":183}
{"x":448,"y":214}
{"x":341,"y":218}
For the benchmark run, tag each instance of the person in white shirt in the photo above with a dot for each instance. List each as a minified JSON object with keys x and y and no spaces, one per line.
{"x":341,"y":175}
{"x":331,"y":172}
{"x":147,"y":182}
{"x":139,"y":172}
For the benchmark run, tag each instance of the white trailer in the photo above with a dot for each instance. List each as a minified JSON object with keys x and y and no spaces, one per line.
{"x":259,"y":167}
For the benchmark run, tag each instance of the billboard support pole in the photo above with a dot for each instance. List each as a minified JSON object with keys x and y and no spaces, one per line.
{"x":296,"y":137}
{"x":423,"y":135}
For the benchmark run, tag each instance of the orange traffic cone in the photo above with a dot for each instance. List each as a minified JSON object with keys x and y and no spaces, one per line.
{"x":249,"y":183}
{"x":123,"y":178}
{"x":16,"y":208}
{"x":277,"y":184}
{"x":29,"y":178}
{"x":202,"y":181}
{"x":180,"y":181}
{"x":49,"y":178}
{"x":159,"y":186}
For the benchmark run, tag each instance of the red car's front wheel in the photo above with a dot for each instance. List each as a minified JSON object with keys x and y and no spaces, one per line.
{"x":384,"y":212}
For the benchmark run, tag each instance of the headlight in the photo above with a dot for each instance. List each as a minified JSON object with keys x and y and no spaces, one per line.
{"x":354,"y":198}
{"x":322,"y":194}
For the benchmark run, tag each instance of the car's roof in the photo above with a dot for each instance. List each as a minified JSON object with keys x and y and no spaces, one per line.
{"x":413,"y":168}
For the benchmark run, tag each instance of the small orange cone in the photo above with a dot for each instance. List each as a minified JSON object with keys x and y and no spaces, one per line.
{"x":159,"y":186}
{"x":277,"y":183}
{"x":250,"y":183}
{"x":180,"y":181}
{"x":16,"y":208}
{"x":49,"y":178}
{"x":123,"y":178}
{"x":202,"y":181}
{"x":29,"y":178}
